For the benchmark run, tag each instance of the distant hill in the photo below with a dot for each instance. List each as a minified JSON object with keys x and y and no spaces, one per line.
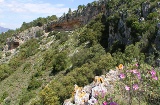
{"x":2,"y":29}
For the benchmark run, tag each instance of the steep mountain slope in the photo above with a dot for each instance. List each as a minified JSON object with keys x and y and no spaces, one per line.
{"x":41,"y":62}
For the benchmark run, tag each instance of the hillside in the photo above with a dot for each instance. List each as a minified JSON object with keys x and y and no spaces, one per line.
{"x":113,"y":45}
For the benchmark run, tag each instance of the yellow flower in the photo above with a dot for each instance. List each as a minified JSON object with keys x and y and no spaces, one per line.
{"x":120,"y":67}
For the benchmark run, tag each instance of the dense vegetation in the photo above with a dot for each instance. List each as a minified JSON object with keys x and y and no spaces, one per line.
{"x":45,"y":69}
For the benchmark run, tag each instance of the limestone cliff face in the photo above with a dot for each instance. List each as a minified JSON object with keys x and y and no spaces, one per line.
{"x":19,"y":38}
{"x":79,"y":17}
{"x":120,"y":34}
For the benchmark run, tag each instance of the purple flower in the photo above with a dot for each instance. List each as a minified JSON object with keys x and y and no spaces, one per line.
{"x":103,"y":93}
{"x":105,"y":103}
{"x":135,"y":71}
{"x":127,"y":87}
{"x":135,"y":87}
{"x":155,"y":77}
{"x":139,"y":75}
{"x":136,"y":64}
{"x":113,"y":103}
{"x":153,"y":72}
{"x":122,"y":76}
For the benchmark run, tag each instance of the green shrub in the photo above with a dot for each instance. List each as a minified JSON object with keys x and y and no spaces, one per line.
{"x":93,"y":32}
{"x":49,"y":97}
{"x":39,"y":33}
{"x":8,"y":54}
{"x":5,"y":71}
{"x":4,"y":95}
{"x":29,"y":48}
{"x":48,"y":58}
{"x":62,"y":36}
{"x":60,"y":62}
{"x":26,"y":97}
{"x":34,"y":84}
{"x":15,"y":62}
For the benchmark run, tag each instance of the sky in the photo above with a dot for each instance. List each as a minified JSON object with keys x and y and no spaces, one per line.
{"x":14,"y":12}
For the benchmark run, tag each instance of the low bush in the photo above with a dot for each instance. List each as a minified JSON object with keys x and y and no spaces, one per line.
{"x":34,"y":84}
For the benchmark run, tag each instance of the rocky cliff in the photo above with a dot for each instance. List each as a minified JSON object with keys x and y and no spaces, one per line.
{"x":118,"y":30}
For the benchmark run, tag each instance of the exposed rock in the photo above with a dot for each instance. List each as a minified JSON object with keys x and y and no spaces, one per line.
{"x":145,"y":9}
{"x":122,"y":35}
{"x":88,"y":95}
{"x":20,"y":38}
{"x":157,"y":41}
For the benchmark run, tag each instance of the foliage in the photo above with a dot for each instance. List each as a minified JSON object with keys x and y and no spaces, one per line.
{"x":34,"y":84}
{"x":93,"y":32}
{"x":37,"y":22}
{"x":5,"y":71}
{"x":59,"y":62}
{"x":61,"y":36}
{"x":48,"y":58}
{"x":48,"y":97}
{"x":26,"y":97}
{"x":39,"y":33}
{"x":132,"y":52}
{"x":29,"y":48}
{"x":4,"y":95}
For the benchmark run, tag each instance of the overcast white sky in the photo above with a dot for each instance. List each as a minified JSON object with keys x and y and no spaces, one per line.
{"x":14,"y":12}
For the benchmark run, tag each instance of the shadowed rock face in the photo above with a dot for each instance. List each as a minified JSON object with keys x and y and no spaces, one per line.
{"x":13,"y":45}
{"x":145,"y":9}
{"x":79,"y":17}
{"x":66,"y":25}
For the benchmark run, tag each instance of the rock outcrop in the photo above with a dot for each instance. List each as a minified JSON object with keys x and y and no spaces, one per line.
{"x":79,"y":17}
{"x":157,"y":41}
{"x":145,"y":9}
{"x":88,"y":95}
{"x":20,"y":38}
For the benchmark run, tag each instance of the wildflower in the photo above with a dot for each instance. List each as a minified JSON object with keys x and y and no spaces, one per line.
{"x":92,"y":101}
{"x":103,"y":93}
{"x":135,"y":87}
{"x":155,"y":77}
{"x":105,"y":103}
{"x":136,"y":64}
{"x":120,"y":67}
{"x":139,"y":75}
{"x":135,"y":71}
{"x":153,"y":72}
{"x":113,"y":103}
{"x":122,"y":76}
{"x":127,"y":87}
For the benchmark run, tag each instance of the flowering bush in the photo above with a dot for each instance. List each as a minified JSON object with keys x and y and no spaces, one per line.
{"x":138,"y":83}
